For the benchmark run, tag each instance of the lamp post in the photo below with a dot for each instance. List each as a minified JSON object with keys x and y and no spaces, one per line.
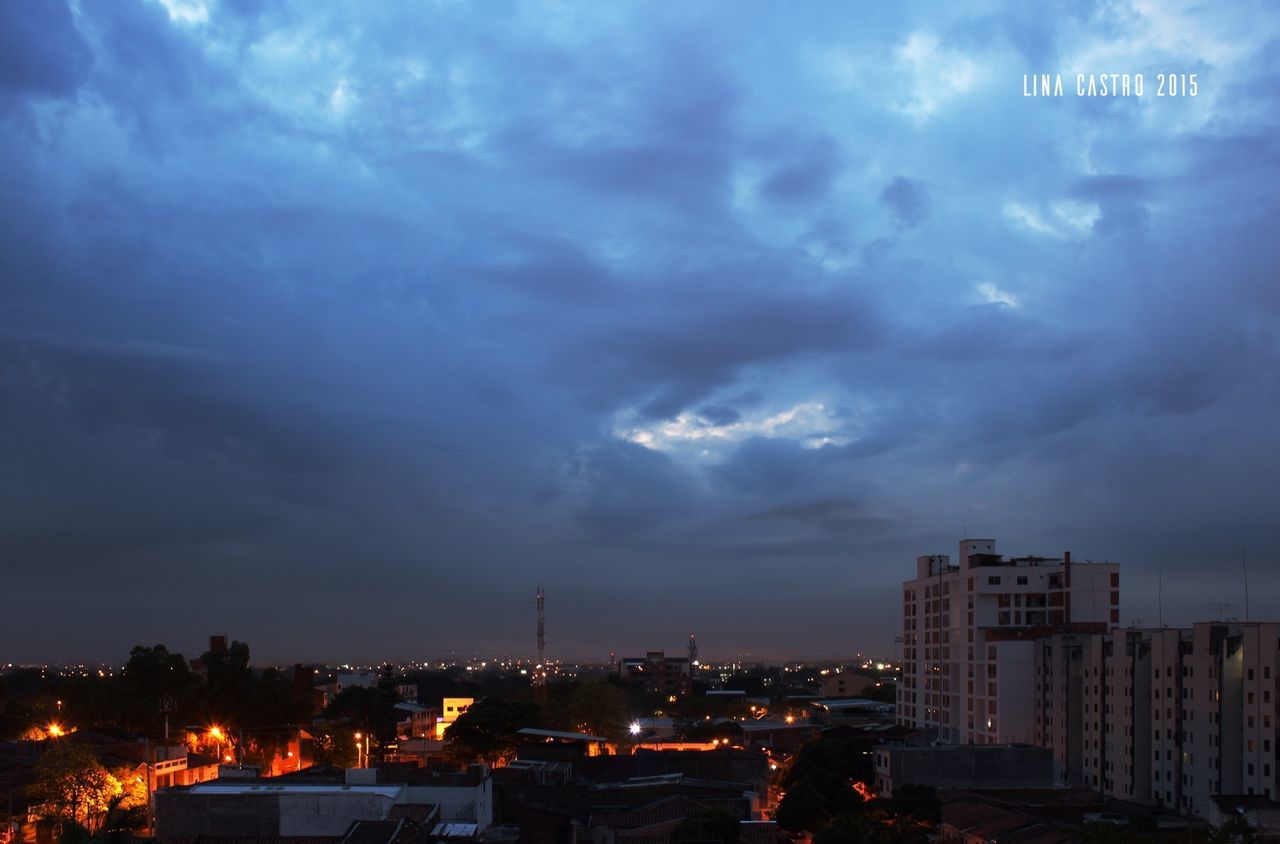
{"x":215,"y":733}
{"x":359,"y":736}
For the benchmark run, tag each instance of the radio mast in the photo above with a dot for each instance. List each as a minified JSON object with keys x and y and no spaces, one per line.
{"x":540,"y":670}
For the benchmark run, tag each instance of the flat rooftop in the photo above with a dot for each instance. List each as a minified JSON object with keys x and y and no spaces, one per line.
{"x":214,"y":788}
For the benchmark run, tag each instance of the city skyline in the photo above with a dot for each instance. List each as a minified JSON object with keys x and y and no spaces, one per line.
{"x":341,"y":330}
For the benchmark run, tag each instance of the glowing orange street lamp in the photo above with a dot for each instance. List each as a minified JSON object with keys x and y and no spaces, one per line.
{"x":215,"y":733}
{"x":55,"y":730}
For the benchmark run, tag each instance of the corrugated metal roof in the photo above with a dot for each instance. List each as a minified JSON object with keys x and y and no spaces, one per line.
{"x":454,"y":830}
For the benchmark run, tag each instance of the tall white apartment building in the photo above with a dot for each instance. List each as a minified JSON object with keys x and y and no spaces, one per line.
{"x":1170,"y":717}
{"x":970,"y":630}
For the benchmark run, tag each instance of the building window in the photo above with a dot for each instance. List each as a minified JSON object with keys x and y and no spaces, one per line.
{"x":993,"y":580}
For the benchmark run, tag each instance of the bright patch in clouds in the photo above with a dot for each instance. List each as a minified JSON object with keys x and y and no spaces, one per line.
{"x":341,"y":98}
{"x":1063,"y":220}
{"x":186,"y":11}
{"x":939,"y":74}
{"x":813,"y":424}
{"x":993,"y":295}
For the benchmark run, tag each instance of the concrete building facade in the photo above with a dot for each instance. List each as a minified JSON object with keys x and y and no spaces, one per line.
{"x":1170,"y":717}
{"x":962,"y":766}
{"x":969,"y":633}
{"x":659,"y":673}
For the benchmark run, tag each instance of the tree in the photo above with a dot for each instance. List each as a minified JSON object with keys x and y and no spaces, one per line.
{"x":154,"y":672}
{"x":917,"y":802}
{"x":831,"y":756}
{"x":154,"y":677}
{"x":1236,"y":830}
{"x":337,"y":748}
{"x":849,"y":829}
{"x":803,"y":808}
{"x":133,"y":788}
{"x":367,"y":709}
{"x":488,"y":731}
{"x":227,"y":682}
{"x":74,"y":786}
{"x":884,"y":692}
{"x":599,"y":709}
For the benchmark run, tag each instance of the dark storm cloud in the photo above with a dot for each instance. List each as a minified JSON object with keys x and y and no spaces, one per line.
{"x":808,"y":177}
{"x":41,"y":51}
{"x":719,"y":414}
{"x":831,"y":515}
{"x":907,"y":200}
{"x":698,"y":337}
{"x":630,"y":489}
{"x":764,"y":466}
{"x":307,"y":309}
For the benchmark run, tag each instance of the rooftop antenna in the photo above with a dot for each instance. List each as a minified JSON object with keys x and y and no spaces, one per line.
{"x":1245,"y":567}
{"x":540,"y":671}
{"x":1160,"y":594}
{"x":1222,"y":608}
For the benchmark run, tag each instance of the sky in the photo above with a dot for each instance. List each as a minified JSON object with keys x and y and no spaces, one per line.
{"x":340,"y":328}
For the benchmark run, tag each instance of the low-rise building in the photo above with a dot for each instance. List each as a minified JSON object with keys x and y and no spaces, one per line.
{"x":658,"y":673}
{"x":324,"y":805}
{"x":962,"y":767}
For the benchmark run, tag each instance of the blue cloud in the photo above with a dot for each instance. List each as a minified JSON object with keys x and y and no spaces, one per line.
{"x":291,"y":291}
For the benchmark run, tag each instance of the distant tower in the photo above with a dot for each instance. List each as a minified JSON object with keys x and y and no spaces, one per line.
{"x":693,"y":649}
{"x":613,"y":661}
{"x":540,"y":670}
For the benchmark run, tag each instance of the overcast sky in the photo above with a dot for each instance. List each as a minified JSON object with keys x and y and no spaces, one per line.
{"x":339,"y":328}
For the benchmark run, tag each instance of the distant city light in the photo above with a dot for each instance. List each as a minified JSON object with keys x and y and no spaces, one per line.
{"x":635,"y":728}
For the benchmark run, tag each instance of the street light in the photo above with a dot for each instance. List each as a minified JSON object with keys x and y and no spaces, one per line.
{"x":216,"y":733}
{"x":55,"y":730}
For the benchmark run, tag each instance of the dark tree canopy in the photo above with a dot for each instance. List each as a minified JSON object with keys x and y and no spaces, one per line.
{"x":488,"y":731}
